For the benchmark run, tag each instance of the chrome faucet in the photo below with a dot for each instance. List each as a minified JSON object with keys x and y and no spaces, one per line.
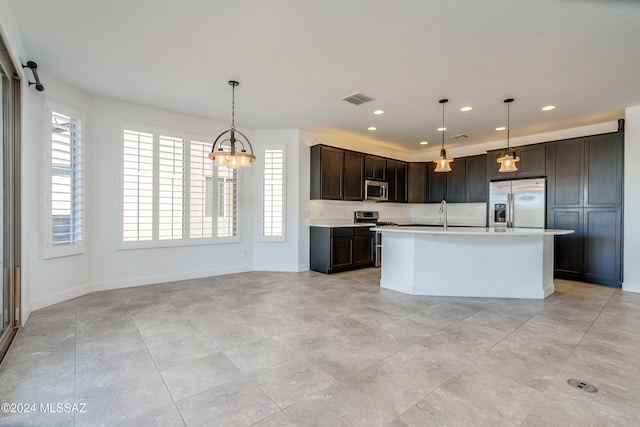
{"x":443,"y":210}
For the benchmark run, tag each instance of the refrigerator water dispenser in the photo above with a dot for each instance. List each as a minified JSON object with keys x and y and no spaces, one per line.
{"x":500,"y":213}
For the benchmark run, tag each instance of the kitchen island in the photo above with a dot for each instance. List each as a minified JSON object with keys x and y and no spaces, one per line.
{"x":469,"y":261}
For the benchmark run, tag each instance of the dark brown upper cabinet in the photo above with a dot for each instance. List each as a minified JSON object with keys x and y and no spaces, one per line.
{"x":397,"y":178}
{"x":375,"y":168}
{"x":418,"y":180}
{"x":476,"y":184}
{"x":353,"y":176}
{"x":437,"y":184}
{"x":336,"y":174}
{"x":565,"y":167}
{"x":327,"y":173}
{"x":456,"y":188}
{"x":603,"y":167}
{"x":532,"y":163}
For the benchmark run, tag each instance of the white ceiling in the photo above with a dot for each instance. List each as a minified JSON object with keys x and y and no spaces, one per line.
{"x":296,"y":59}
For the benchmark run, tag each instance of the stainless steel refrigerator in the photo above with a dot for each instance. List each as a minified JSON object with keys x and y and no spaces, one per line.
{"x":517,"y":203}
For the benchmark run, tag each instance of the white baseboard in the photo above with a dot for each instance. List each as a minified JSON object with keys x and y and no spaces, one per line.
{"x":128,"y":283}
{"x":631,"y":287}
{"x":25,"y":312}
{"x":281,"y":268}
{"x":59,"y":297}
{"x":164,"y":278}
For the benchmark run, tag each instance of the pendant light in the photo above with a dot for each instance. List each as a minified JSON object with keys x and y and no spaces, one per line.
{"x":225,"y":150}
{"x":508,"y":158}
{"x":442,"y":164}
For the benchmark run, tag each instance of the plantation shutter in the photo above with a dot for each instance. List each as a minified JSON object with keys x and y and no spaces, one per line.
{"x":137,"y":183}
{"x":273,"y":193}
{"x":170,"y":187}
{"x":66,"y":198}
{"x":201,"y":191}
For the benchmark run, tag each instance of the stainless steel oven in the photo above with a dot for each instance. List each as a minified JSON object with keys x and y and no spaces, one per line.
{"x":377,"y":262}
{"x":373,"y":218}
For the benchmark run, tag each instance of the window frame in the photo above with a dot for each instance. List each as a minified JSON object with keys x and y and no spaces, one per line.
{"x":48,"y":250}
{"x":186,"y":240}
{"x":283,"y":237}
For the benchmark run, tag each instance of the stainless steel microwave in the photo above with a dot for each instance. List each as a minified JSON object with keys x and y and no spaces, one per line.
{"x":376,"y":191}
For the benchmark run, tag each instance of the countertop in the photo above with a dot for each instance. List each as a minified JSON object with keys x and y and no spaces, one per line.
{"x":475,"y":231}
{"x":401,"y":223}
{"x":330,"y":224}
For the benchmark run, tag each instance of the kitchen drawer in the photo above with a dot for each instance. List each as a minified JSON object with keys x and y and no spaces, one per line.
{"x":363,"y":231}
{"x":342,"y":232}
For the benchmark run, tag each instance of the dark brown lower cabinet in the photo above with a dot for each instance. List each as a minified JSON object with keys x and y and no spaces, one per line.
{"x":334,"y":249}
{"x":569,"y":249}
{"x":593,"y":253}
{"x":602,"y":246}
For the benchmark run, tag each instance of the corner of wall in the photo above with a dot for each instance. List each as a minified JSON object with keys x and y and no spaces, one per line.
{"x":631,"y":247}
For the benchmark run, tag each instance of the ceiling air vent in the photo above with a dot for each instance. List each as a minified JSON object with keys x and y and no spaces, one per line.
{"x":357,"y":98}
{"x":459,"y":136}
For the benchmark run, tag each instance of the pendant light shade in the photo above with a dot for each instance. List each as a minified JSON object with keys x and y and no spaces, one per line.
{"x":508,"y":158}
{"x":508,"y":163}
{"x":232,"y":151}
{"x":442,"y":164}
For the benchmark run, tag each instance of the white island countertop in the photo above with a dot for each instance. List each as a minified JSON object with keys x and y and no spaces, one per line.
{"x":468,"y":261}
{"x":477,"y":231}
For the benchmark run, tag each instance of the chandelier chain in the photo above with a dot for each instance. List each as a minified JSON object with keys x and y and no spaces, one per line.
{"x":233,"y":106}
{"x":508,"y":124}
{"x":443,"y":125}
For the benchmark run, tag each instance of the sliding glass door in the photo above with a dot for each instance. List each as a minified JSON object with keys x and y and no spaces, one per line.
{"x":5,"y":232}
{"x":9,"y":196}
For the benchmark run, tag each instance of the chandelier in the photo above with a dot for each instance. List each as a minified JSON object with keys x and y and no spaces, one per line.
{"x":232,"y":151}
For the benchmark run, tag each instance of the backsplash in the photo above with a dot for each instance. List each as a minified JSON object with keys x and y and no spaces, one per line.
{"x":339,"y":211}
{"x":329,"y":211}
{"x":457,"y":213}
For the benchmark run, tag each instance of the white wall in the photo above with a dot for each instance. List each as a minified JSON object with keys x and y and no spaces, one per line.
{"x":104,"y":265}
{"x":272,"y":255}
{"x":114,"y":268}
{"x":304,"y":159}
{"x":47,"y":281}
{"x":632,"y":200}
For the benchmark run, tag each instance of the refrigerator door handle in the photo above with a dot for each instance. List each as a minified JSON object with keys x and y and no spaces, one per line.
{"x":510,"y":210}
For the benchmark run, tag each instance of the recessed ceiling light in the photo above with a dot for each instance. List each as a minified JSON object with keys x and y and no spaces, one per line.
{"x":441,"y":129}
{"x":424,"y":142}
{"x":501,"y":128}
{"x":377,"y":112}
{"x":467,"y":108}
{"x":372,"y":128}
{"x":549,"y":108}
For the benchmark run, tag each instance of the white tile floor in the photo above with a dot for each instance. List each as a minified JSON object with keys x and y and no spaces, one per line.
{"x":306,"y":349}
